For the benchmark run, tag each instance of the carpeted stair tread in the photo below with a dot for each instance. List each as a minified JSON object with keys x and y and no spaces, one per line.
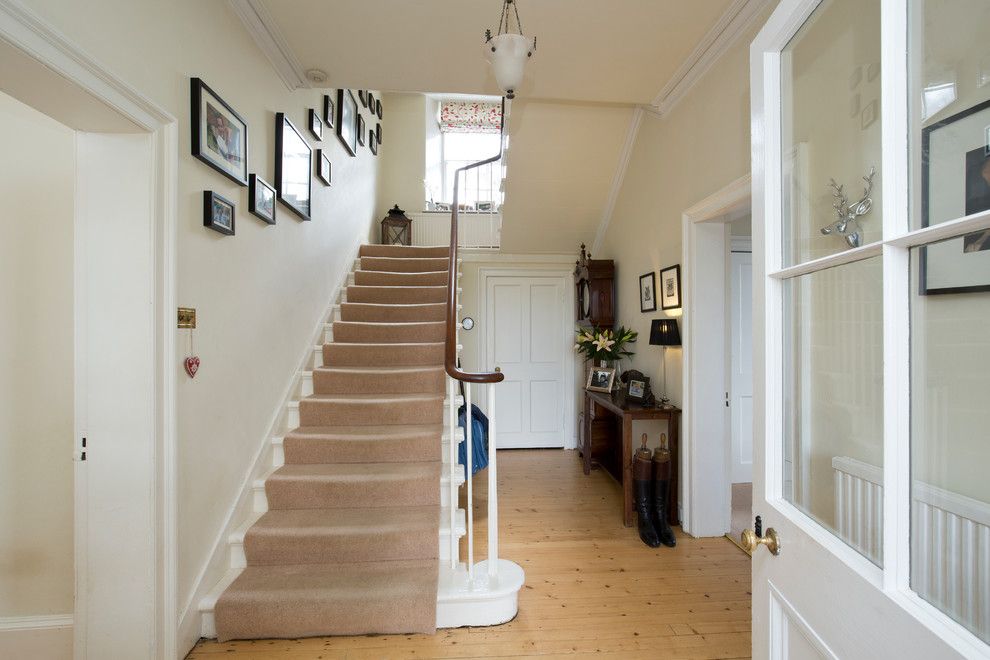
{"x":417,"y":251}
{"x":363,"y":444}
{"x":392,"y":295}
{"x":310,"y":536}
{"x":386,"y":278}
{"x":341,"y":354}
{"x":364,"y":332}
{"x":305,"y":600}
{"x":380,"y":313}
{"x":345,"y":485}
{"x":405,"y":264}
{"x":381,"y":380}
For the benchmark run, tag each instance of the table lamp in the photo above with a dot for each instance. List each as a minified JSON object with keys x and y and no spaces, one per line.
{"x":664,"y":332}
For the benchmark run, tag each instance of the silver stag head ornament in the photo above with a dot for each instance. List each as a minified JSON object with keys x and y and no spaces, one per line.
{"x":848,"y":225}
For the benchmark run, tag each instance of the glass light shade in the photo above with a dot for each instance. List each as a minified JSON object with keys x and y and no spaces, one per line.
{"x":507,"y":53}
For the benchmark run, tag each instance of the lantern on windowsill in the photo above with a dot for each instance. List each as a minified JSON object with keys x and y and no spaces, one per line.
{"x":396,"y":228}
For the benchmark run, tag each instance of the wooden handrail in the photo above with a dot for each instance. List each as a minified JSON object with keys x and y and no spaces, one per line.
{"x":450,"y":352}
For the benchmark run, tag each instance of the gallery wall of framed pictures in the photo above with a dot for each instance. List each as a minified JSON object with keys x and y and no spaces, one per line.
{"x":220,"y":140}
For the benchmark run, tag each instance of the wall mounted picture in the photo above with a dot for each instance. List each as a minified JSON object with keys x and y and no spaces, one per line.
{"x":328,"y":111}
{"x":219,"y":134}
{"x":218,"y":213}
{"x":371,"y":102}
{"x":261,"y":199}
{"x":360,"y":130}
{"x":363,"y":96}
{"x":378,"y":108}
{"x":955,"y":182}
{"x":323,"y":166}
{"x":600,"y":379}
{"x":378,"y":133}
{"x":347,"y":120}
{"x":372,"y":142}
{"x":648,"y":292}
{"x":293,"y":167}
{"x":670,"y":287}
{"x":315,"y":124}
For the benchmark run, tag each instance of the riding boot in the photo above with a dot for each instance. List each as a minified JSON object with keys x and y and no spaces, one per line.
{"x":661,"y":487}
{"x":642,"y":492}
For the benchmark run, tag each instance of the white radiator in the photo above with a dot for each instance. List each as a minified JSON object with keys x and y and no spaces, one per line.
{"x":476,"y":230}
{"x":950,"y":540}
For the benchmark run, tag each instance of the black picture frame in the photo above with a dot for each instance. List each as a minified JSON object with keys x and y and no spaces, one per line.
{"x":347,"y":120}
{"x":378,"y":108}
{"x":323,"y":167}
{"x":372,"y":142}
{"x":363,"y":97}
{"x":261,"y":199}
{"x":315,"y":125}
{"x":329,"y":112}
{"x":670,"y":287}
{"x":291,"y":147}
{"x":371,"y":101}
{"x":648,"y":292}
{"x":214,"y":213}
{"x":211,"y":115}
{"x":361,"y":129}
{"x":970,"y":159}
{"x":378,"y":133}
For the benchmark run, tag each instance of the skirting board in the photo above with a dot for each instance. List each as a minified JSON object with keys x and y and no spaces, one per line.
{"x":48,"y":636}
{"x":35,"y":622}
{"x":218,"y":562}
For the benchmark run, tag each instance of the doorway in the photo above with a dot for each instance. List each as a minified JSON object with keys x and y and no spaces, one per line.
{"x":739,"y":338}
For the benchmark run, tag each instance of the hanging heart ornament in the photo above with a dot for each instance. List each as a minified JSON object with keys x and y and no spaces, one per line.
{"x":192,"y":366}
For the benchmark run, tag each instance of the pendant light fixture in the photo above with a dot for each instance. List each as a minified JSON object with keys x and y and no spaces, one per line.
{"x":508,"y":51}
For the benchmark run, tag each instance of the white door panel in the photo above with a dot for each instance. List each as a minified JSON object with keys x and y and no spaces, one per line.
{"x":741,"y":386}
{"x":525,"y":336}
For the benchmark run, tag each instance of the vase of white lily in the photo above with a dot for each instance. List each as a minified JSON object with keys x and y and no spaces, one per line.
{"x":604,"y":347}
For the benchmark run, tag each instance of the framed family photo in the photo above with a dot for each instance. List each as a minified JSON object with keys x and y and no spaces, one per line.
{"x":648,"y":292}
{"x":328,"y":111}
{"x":670,"y":287}
{"x":955,"y":182}
{"x":219,"y":134}
{"x":218,"y":213}
{"x":600,"y":379}
{"x":293,"y":168}
{"x":315,"y":124}
{"x":347,"y":120}
{"x":261,"y":199}
{"x":323,"y":166}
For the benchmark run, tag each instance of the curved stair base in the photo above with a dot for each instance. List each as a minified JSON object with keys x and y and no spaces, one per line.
{"x":483,"y":602}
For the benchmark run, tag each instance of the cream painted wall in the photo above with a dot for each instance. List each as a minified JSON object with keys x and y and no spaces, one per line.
{"x":402,"y":153}
{"x":37,"y":180}
{"x":260,"y":293}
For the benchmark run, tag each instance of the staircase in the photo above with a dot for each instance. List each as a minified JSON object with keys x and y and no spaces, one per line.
{"x":348,"y":539}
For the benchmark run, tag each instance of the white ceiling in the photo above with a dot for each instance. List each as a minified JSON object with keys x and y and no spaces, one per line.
{"x":617,"y":51}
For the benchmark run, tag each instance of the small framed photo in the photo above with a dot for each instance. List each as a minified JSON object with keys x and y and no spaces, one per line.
{"x":600,"y":379}
{"x":323,"y":166}
{"x":361,"y":131}
{"x":670,"y":287}
{"x":648,"y":292}
{"x":378,"y":108}
{"x":637,"y":389}
{"x":328,"y":111}
{"x":373,"y":142}
{"x":363,"y":97}
{"x":219,"y":134}
{"x":371,"y":101}
{"x":218,"y":213}
{"x":315,"y":124}
{"x":378,"y":133}
{"x":261,"y":199}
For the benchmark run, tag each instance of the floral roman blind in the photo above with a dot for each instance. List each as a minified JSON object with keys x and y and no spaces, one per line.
{"x":470,"y":117}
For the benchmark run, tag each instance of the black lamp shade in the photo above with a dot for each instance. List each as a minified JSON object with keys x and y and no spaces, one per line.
{"x":664,"y":332}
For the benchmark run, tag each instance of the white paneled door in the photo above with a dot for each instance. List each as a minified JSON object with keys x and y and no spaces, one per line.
{"x":525,"y":338}
{"x":741,"y":352}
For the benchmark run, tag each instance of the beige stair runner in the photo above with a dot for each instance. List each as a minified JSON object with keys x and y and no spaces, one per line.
{"x":350,"y":542}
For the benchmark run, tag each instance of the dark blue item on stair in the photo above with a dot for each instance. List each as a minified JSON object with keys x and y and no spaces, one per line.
{"x":479,"y":439}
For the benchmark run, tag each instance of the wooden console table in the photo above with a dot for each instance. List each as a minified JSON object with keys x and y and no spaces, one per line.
{"x":599,"y":406}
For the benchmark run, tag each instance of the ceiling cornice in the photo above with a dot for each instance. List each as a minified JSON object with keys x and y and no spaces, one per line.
{"x":736,"y":20}
{"x":261,"y":26}
{"x":618,"y":178}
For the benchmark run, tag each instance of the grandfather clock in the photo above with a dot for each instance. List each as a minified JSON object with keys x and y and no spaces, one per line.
{"x":595,"y":282}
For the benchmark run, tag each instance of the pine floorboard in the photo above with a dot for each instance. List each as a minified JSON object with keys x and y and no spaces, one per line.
{"x":592,"y":588}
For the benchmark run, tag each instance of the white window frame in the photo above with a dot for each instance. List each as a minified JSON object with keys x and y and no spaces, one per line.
{"x":445,"y":181}
{"x":900,"y":140}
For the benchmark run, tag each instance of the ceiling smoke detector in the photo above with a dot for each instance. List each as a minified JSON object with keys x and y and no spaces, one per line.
{"x":317,"y":76}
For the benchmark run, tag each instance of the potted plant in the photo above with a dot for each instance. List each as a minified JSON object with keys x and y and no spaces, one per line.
{"x":604,"y":346}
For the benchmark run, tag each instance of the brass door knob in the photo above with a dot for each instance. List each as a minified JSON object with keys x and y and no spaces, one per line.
{"x":750,"y":541}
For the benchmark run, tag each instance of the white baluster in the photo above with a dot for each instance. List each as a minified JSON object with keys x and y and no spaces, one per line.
{"x":452,"y":500}
{"x":469,"y":454}
{"x":492,"y":489}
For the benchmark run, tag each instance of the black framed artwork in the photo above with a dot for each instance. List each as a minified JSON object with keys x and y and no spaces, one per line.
{"x":955,"y":182}
{"x":323,"y":166}
{"x":378,"y":133}
{"x":219,"y":134}
{"x":347,"y":120}
{"x":315,"y":124}
{"x":378,"y":108}
{"x":373,"y":142}
{"x":293,"y":167}
{"x":328,"y":111}
{"x":360,"y":130}
{"x":261,"y":199}
{"x":363,"y":97}
{"x":218,"y":213}
{"x":670,"y":287}
{"x":648,"y":292}
{"x":371,"y":101}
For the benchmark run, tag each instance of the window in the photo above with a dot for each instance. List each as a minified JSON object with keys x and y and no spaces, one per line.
{"x":464,"y":132}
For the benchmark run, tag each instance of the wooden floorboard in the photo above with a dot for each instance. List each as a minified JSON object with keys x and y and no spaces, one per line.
{"x":592,"y":588}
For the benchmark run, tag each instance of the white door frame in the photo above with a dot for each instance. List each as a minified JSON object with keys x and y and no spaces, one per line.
{"x":706,"y":494}
{"x":569,"y":409}
{"x":28,"y":32}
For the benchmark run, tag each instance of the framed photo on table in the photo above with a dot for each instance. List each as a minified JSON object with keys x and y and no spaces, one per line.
{"x":955,"y":182}
{"x":600,"y":379}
